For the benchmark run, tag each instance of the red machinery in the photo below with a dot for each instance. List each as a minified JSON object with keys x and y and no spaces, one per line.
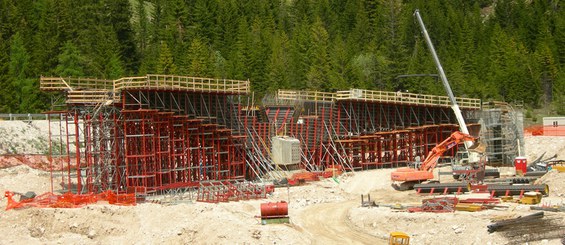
{"x":411,"y":176}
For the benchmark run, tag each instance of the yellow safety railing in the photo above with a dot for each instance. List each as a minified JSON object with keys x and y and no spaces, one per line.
{"x":306,"y":95}
{"x":379,"y":96}
{"x":96,"y":89}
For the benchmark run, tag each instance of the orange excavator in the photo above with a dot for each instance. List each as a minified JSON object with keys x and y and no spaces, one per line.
{"x":411,"y":176}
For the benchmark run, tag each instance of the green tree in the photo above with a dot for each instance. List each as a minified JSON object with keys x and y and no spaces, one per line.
{"x":240,"y":52}
{"x":165,"y":65}
{"x":6,"y":91}
{"x":46,"y":40}
{"x":199,"y":59}
{"x":300,"y":44}
{"x":547,"y":71}
{"x":392,"y":39}
{"x":120,"y":15}
{"x":27,"y":97}
{"x":318,"y":72}
{"x":19,"y":58}
{"x":257,"y":56}
{"x":278,"y":69}
{"x":340,"y":70}
{"x":141,"y":26}
{"x":71,"y":62}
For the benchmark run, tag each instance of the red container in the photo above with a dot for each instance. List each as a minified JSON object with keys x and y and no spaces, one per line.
{"x":269,"y":188}
{"x":521,"y":164}
{"x":274,"y":209}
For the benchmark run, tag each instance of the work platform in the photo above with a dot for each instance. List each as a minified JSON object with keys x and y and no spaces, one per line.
{"x":92,"y":91}
{"x":379,"y":96}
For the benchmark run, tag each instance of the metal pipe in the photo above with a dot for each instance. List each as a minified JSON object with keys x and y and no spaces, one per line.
{"x":443,"y":187}
{"x":511,"y":190}
{"x":492,"y":173}
{"x":535,"y":173}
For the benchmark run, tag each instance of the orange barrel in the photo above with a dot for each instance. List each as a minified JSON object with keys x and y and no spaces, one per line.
{"x":521,"y":164}
{"x":274,"y":209}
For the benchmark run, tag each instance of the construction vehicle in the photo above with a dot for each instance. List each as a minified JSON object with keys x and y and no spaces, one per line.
{"x":398,"y":238}
{"x":411,"y":176}
{"x":558,"y":165}
{"x":531,"y":198}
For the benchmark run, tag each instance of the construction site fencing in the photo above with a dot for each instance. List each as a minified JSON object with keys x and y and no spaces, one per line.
{"x":69,"y":200}
{"x":25,"y":117}
{"x":539,"y":130}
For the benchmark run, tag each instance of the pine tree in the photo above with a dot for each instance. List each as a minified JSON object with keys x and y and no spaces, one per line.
{"x":390,"y":25}
{"x":257,"y":56}
{"x":199,"y":58}
{"x":165,"y":65}
{"x":46,"y":39}
{"x":120,"y":19}
{"x":300,"y":44}
{"x":340,"y":69}
{"x":318,"y":72}
{"x":71,"y":62}
{"x":226,"y":21}
{"x":66,"y":19}
{"x":141,"y":26}
{"x":6,"y":91}
{"x":547,"y":70}
{"x":278,"y":75}
{"x":361,"y":31}
{"x":240,"y":52}
{"x":114,"y":68}
{"x":18,"y":71}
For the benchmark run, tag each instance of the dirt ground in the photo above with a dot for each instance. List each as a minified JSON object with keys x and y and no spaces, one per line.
{"x":322,"y":212}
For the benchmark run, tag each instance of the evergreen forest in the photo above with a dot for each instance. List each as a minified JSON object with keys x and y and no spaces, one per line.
{"x":504,"y":50}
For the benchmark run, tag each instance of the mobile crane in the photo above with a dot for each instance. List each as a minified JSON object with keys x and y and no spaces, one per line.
{"x":411,"y":176}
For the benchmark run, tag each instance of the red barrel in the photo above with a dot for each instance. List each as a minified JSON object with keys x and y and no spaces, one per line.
{"x":274,"y":209}
{"x":521,"y":164}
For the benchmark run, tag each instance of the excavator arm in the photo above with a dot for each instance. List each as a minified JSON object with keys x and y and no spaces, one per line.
{"x":431,"y":160}
{"x":411,"y":176}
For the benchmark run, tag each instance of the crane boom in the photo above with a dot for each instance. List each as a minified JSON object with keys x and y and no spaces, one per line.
{"x":410,"y":176}
{"x":454,"y":106}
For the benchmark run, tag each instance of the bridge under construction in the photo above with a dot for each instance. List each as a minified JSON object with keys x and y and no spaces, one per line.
{"x":166,"y":133}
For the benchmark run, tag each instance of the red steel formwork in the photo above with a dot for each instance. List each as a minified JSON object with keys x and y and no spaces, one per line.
{"x":157,"y":133}
{"x":381,"y":129}
{"x":148,"y":138}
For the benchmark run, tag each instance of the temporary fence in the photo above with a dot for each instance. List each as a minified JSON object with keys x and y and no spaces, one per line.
{"x":69,"y":200}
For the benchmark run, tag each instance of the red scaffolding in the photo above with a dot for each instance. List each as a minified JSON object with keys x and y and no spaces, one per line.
{"x":157,"y":133}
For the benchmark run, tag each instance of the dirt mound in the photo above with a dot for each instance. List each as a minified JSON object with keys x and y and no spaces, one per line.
{"x":555,"y":181}
{"x":366,"y":181}
{"x":537,"y":145}
{"x":24,"y":137}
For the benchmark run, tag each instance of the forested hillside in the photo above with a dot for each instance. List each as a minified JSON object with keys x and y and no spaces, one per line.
{"x":510,"y":50}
